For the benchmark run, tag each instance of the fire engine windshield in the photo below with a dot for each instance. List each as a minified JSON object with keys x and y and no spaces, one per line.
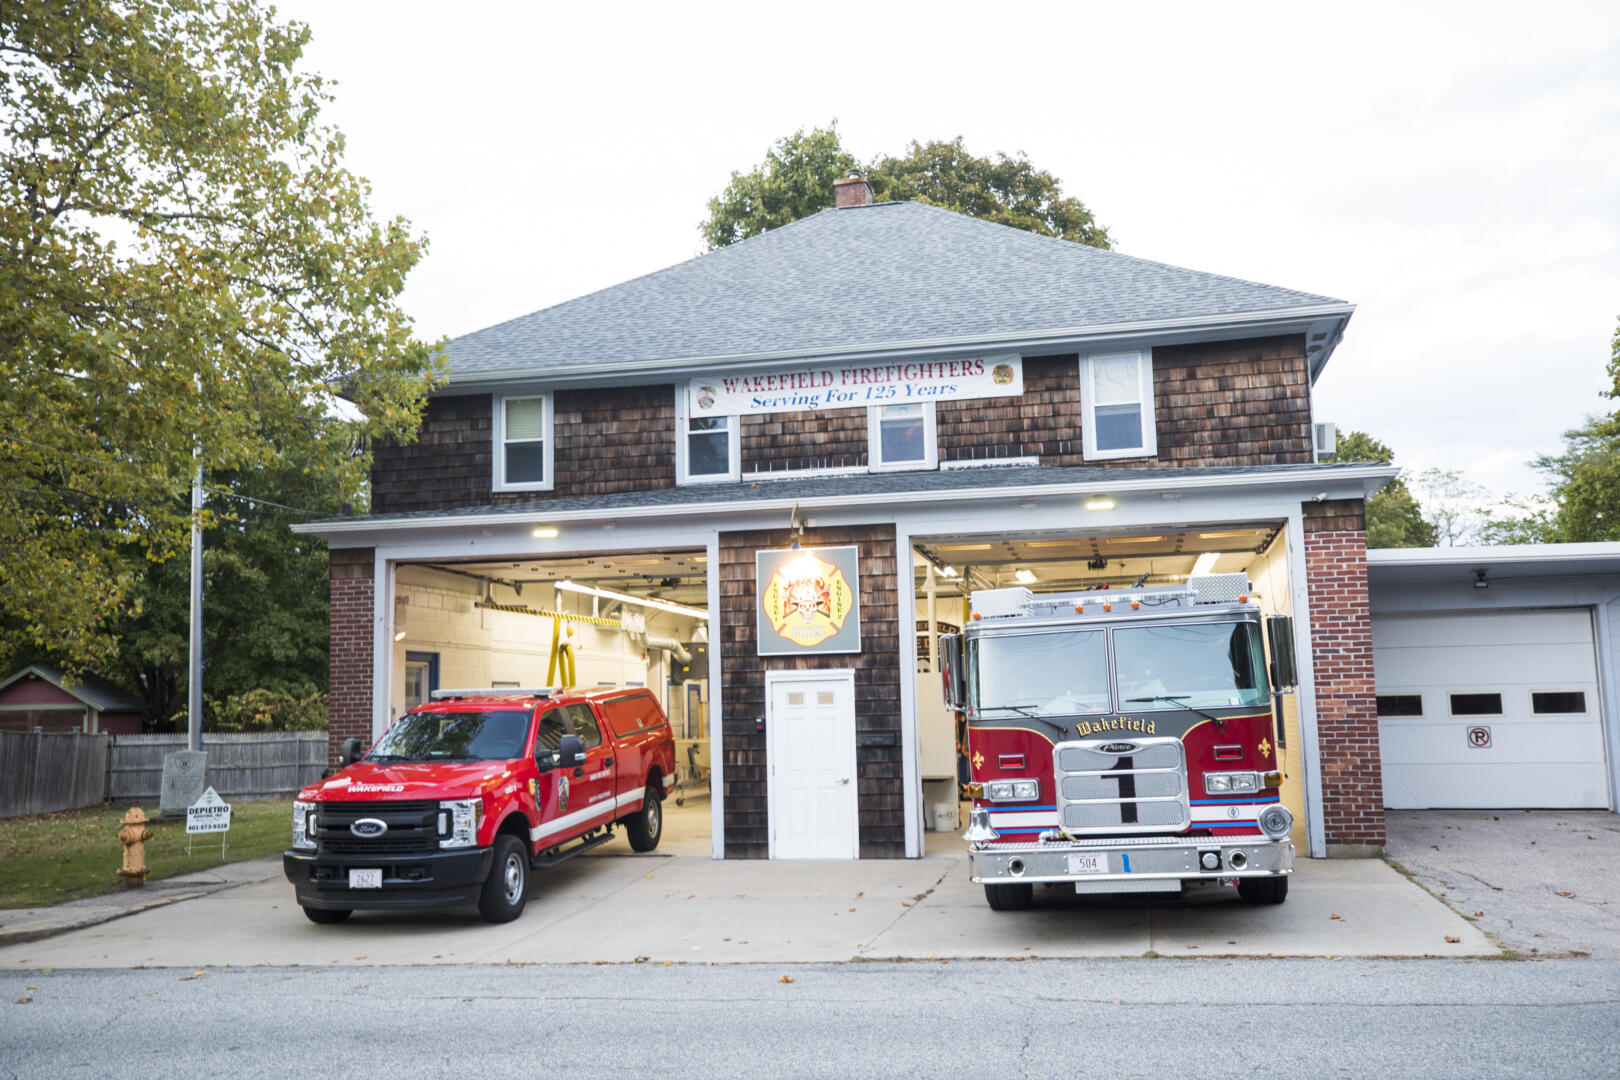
{"x":1039,"y":674}
{"x":458,"y":736}
{"x":1208,"y":665}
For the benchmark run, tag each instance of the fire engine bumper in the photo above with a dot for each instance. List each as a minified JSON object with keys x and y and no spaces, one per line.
{"x":1145,"y":859}
{"x":429,"y":879}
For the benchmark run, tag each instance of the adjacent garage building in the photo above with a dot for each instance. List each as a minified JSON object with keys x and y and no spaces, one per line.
{"x":1495,"y":675}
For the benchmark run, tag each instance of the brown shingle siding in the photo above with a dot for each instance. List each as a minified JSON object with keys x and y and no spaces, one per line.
{"x":823,"y":439}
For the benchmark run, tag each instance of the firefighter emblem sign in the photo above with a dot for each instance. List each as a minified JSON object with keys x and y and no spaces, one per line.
{"x":808,"y":601}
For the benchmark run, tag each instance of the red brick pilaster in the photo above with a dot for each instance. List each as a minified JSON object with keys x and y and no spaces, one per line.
{"x":1342,"y":659}
{"x":352,"y":630}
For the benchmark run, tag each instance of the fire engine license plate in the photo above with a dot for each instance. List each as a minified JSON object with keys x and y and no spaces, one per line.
{"x":365,"y":879}
{"x":1091,"y":863}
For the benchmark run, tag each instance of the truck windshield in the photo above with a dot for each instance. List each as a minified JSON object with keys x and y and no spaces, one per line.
{"x":1039,"y":674}
{"x":458,"y":736}
{"x":1207,"y":665}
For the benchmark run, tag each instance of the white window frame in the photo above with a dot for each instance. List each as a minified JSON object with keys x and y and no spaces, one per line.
{"x":498,"y":431}
{"x":874,"y":439}
{"x":682,"y":446}
{"x":1088,"y":402}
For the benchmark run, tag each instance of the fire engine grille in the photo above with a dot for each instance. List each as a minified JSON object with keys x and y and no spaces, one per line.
{"x":1132,"y":786}
{"x":412,"y":828}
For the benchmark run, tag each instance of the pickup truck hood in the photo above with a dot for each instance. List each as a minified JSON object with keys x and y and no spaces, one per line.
{"x":365,"y":782}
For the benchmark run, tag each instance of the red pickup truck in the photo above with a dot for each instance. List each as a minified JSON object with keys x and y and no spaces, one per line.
{"x":466,"y":794}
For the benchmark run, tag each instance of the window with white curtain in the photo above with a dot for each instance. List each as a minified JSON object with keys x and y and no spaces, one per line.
{"x":522,"y":430}
{"x":901,"y":436}
{"x":1116,"y":391}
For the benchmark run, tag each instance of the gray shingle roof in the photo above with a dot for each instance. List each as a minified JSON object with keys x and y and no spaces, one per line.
{"x":93,"y":690}
{"x":870,"y":276}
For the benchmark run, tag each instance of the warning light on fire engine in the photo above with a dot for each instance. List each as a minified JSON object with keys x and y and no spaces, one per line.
{"x":1079,"y":609}
{"x":1108,"y":607}
{"x":1135,"y":604}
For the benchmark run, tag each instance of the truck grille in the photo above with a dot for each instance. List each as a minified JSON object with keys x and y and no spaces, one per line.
{"x":1137,"y":785}
{"x":412,"y":828}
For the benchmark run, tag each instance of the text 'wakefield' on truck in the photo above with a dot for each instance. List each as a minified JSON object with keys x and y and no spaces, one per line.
{"x":466,"y":794}
{"x":1125,"y":740}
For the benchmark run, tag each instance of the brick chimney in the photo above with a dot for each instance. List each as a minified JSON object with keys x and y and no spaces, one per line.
{"x":852,"y":190}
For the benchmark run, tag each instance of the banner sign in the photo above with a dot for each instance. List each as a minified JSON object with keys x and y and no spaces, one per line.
{"x":847,"y":386}
{"x":809,"y":601}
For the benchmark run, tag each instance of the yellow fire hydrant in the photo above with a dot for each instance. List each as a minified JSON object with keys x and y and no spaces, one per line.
{"x":134,"y":836}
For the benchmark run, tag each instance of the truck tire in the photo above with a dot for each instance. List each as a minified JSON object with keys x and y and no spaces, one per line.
{"x":506,"y":889}
{"x":1013,"y":897}
{"x":646,"y":825}
{"x":325,"y":916}
{"x":1263,"y":890}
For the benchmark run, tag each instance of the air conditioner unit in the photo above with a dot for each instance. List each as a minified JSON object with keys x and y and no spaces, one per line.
{"x":1327,"y":440}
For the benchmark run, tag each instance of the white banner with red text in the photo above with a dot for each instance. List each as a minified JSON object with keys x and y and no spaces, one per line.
{"x":853,"y":386}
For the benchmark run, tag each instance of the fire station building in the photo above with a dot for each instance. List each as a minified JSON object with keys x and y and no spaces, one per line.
{"x":765,"y":480}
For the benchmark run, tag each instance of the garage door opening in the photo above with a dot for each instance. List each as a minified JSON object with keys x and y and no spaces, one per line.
{"x":949,"y":569}
{"x":622,"y":619}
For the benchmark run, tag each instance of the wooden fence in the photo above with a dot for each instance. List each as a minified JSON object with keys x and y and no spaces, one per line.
{"x":42,"y":772}
{"x":45,"y":771}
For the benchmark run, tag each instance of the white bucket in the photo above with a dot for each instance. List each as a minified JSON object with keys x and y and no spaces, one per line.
{"x":944,"y":817}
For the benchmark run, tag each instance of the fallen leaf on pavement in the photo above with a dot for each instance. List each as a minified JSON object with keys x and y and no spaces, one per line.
{"x":852,"y":909}
{"x":24,"y":1001}
{"x":195,"y":975}
{"x":1479,"y":914}
{"x":786,"y":979}
{"x":1562,"y":892}
{"x":1452,"y":940}
{"x":641,"y":959}
{"x":1336,"y":915}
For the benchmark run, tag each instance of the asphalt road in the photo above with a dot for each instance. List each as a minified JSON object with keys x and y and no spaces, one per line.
{"x":1108,"y":1018}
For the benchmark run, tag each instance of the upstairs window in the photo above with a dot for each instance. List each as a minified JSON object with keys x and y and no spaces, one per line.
{"x":1116,"y":391}
{"x":902,"y":436}
{"x":523,"y":443}
{"x":706,"y":447}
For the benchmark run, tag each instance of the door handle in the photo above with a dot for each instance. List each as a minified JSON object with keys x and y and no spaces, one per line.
{"x":843,"y":779}
{"x":609,"y":761}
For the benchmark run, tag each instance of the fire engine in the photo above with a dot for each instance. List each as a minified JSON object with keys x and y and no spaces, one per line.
{"x":1124,"y":740}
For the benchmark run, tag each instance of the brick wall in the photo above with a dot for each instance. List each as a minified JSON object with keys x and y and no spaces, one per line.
{"x":877,"y":689}
{"x":1342,"y":658}
{"x":352,"y":629}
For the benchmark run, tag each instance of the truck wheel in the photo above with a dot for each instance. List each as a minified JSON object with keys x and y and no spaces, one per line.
{"x":1014,"y":897}
{"x":325,"y":916}
{"x":506,"y":889}
{"x":1263,"y":890}
{"x":646,"y":825}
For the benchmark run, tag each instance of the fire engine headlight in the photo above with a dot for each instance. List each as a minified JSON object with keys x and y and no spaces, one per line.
{"x":1276,"y":822}
{"x":304,"y":824}
{"x":1214,"y":781}
{"x":1231,"y":781}
{"x":1012,"y":790}
{"x":464,"y":815}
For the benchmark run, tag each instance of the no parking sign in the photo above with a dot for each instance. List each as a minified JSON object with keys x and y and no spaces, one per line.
{"x":1479,"y":737}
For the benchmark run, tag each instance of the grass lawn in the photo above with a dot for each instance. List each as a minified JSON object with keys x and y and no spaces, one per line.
{"x":49,"y":858}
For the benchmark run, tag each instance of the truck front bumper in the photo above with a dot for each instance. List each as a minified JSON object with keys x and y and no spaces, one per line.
{"x":1120,"y":860}
{"x":428,"y":879}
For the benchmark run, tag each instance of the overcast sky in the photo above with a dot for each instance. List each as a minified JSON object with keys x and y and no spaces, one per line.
{"x":1453,"y":170}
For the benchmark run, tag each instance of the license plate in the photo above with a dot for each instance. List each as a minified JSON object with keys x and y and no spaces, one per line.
{"x":1092,"y":863}
{"x":365,"y":879}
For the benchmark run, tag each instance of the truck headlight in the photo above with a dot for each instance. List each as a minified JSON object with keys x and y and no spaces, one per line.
{"x":1012,"y":790}
{"x":304,"y":824}
{"x":1231,"y":781}
{"x":461,"y":828}
{"x":1275,"y":821}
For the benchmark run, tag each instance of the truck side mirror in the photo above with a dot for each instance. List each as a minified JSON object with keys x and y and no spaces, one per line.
{"x":353,"y":750}
{"x":571,"y":751}
{"x":1284,"y":667}
{"x":952,"y":671}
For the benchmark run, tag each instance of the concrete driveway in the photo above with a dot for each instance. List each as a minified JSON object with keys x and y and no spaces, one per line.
{"x":1541,"y":882}
{"x":625,"y":908}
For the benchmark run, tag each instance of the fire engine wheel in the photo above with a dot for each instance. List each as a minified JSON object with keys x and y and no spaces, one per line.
{"x":1263,"y":890}
{"x":646,"y":825}
{"x":1014,"y":897}
{"x":325,"y":916}
{"x":506,"y":889}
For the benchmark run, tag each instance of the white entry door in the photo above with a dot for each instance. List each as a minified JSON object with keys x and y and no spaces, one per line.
{"x":810,"y":745}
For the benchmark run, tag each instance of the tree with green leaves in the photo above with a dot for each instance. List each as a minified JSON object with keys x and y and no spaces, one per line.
{"x":1394,"y":517}
{"x":796,"y":180}
{"x":188,"y":275}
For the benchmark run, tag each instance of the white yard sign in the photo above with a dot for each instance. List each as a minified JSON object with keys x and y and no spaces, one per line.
{"x":848,"y":386}
{"x":209,"y":814}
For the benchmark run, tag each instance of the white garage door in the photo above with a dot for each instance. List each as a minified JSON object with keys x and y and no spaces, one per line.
{"x":1489,"y":710}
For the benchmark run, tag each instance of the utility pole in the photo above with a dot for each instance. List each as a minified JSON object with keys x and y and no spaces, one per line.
{"x":194,"y":697}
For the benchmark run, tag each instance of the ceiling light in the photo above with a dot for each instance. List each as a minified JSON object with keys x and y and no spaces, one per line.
{"x":1206,"y":563}
{"x":544,"y":532}
{"x":1099,"y":502}
{"x":1135,"y":539}
{"x":400,"y":636}
{"x":947,"y":571}
{"x":1229,"y":532}
{"x":964,"y":547}
{"x":1025,"y":577}
{"x":626,"y":598}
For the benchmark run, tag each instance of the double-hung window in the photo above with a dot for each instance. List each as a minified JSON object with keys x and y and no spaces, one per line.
{"x":522,"y":430}
{"x":1116,"y":391}
{"x":706,"y":447}
{"x":901,"y":437}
